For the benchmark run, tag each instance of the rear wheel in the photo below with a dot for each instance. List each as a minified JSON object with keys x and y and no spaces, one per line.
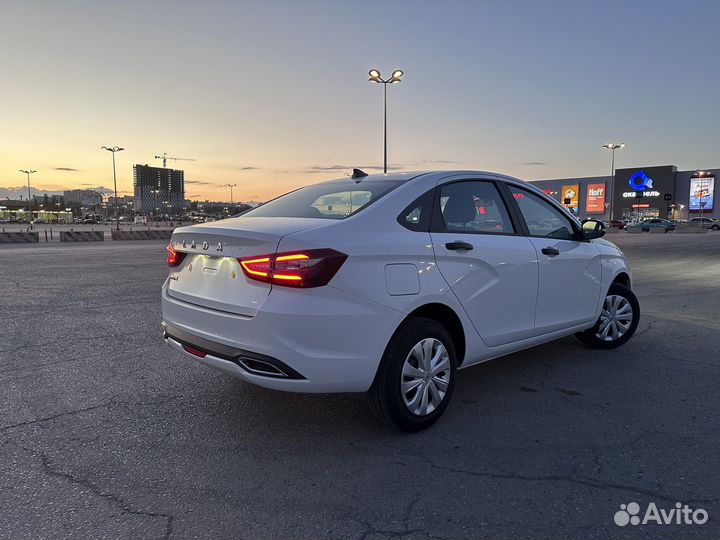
{"x":416,"y":376}
{"x":618,"y":319}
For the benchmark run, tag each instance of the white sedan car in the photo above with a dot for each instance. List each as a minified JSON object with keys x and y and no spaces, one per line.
{"x":389,"y":284}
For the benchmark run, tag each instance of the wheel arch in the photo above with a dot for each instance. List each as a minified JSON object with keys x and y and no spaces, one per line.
{"x":623,"y":278}
{"x":446,"y":316}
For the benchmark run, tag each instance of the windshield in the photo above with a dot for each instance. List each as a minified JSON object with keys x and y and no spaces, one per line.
{"x":332,"y":200}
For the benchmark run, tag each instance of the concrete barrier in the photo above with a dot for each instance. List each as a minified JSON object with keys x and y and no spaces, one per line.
{"x":611,"y":230}
{"x":19,"y":237}
{"x":689,"y":228}
{"x":82,"y":236}
{"x":634,"y":229}
{"x":656,"y":230}
{"x":153,"y":234}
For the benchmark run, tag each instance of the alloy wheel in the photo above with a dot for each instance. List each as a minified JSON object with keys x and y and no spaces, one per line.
{"x":425,"y":377}
{"x":615,"y":318}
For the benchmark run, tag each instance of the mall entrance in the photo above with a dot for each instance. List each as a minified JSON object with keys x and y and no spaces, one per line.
{"x":631,"y":214}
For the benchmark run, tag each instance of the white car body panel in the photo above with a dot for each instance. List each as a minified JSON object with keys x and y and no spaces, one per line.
{"x":507,"y":268}
{"x":569,"y":284}
{"x":506,"y":295}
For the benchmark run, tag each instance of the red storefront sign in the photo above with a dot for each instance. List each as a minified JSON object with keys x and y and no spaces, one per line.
{"x":595,"y":200}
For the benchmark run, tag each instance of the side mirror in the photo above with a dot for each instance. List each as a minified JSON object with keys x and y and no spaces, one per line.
{"x":592,"y":228}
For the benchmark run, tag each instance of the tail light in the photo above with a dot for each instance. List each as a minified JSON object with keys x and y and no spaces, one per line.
{"x":312,"y":268}
{"x":174,"y":258}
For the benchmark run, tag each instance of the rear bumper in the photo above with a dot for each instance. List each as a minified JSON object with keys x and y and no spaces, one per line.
{"x":318,"y":340}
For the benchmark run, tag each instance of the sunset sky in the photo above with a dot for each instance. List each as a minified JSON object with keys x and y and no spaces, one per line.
{"x":273,"y":95}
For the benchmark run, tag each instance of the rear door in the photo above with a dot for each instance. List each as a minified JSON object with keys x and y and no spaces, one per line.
{"x":570,"y":269}
{"x":491,"y":268}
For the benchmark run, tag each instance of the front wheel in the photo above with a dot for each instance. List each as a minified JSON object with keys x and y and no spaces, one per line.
{"x":618,"y":319}
{"x":416,"y":376}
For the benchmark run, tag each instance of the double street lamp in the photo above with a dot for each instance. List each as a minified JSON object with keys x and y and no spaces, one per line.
{"x":114,"y":149}
{"x":377,"y":78}
{"x":28,"y":172}
{"x":231,"y":186}
{"x":612,"y":147}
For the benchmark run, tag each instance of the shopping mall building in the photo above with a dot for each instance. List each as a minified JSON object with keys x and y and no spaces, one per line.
{"x":639,"y":192}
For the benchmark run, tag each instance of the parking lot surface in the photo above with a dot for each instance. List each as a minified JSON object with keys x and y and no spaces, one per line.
{"x":106,"y":433}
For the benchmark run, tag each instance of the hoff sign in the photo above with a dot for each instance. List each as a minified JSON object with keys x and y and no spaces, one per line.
{"x":595,"y":200}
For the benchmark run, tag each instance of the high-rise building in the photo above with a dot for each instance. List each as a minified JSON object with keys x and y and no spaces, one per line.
{"x":158,"y":188}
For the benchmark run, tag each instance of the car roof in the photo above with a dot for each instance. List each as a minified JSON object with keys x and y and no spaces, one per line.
{"x":402,"y":177}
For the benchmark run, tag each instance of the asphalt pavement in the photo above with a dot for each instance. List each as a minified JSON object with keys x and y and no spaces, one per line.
{"x":106,"y":433}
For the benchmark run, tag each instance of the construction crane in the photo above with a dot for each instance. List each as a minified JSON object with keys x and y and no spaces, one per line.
{"x":165,"y":157}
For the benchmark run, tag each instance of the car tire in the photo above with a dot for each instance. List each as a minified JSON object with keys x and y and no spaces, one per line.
{"x":615,"y":326}
{"x":401,"y":367}
{"x":715,"y":227}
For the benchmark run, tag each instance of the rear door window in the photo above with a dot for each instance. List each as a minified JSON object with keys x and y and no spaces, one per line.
{"x":474,"y":206}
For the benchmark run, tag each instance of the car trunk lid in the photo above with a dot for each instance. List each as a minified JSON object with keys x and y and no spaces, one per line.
{"x":210,"y":274}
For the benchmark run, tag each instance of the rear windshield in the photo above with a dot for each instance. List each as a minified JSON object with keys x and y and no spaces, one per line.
{"x":333,"y":200}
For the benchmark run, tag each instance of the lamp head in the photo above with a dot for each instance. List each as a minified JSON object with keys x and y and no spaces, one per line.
{"x":374,"y":76}
{"x":396,"y":76}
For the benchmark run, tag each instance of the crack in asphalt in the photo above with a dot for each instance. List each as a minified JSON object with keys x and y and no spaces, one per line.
{"x":576,"y":479}
{"x":393,"y":534}
{"x":55,"y":344}
{"x":118,"y":403}
{"x":370,"y":530}
{"x":651,"y":322}
{"x":118,"y":501}
{"x":47,"y":418}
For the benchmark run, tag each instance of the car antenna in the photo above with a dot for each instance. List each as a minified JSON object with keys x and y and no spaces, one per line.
{"x":357,"y":174}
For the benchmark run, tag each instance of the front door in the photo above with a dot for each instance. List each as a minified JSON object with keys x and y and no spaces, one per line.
{"x":570,"y":269}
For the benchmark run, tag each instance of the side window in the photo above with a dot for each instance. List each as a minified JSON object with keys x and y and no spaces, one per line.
{"x":474,"y":206}
{"x":541,"y":217}
{"x":416,"y":216}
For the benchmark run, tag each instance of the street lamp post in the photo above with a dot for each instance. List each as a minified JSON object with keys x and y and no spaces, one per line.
{"x":114,"y":149}
{"x":231,"y":186}
{"x":28,"y":172}
{"x":613,"y":147}
{"x":155,"y":192}
{"x":376,"y":78}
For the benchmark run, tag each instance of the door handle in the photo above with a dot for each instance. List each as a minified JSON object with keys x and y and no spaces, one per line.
{"x":550,"y":251}
{"x":458,"y":245}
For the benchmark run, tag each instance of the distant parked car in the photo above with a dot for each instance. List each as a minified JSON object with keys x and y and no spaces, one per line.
{"x":618,"y":224}
{"x":656,"y":223}
{"x":707,"y":223}
{"x":601,"y":223}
